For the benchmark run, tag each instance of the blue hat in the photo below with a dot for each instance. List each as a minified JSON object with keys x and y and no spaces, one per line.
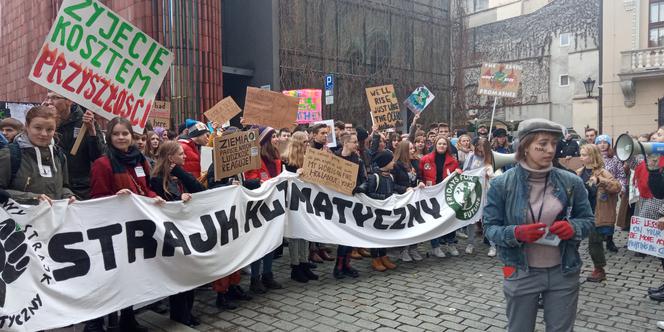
{"x":603,"y":138}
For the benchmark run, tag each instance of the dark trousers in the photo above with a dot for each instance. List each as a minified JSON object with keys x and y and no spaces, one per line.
{"x":181,"y":305}
{"x":380,"y":252}
{"x":342,"y":251}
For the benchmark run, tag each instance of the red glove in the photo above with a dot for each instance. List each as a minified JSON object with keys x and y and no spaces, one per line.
{"x":529,"y":233}
{"x":563,"y":229}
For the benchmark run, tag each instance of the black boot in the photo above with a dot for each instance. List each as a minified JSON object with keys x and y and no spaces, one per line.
{"x":128,"y":321}
{"x":653,"y":290}
{"x":269,"y":282}
{"x":297,"y":274}
{"x":610,"y":246}
{"x":337,"y":272}
{"x":113,"y":322}
{"x":236,"y":292}
{"x":223,"y":302}
{"x":311,"y":265}
{"x":307,"y":272}
{"x":95,"y":325}
{"x":256,"y":286}
{"x":348,"y":270}
{"x":277,"y":253}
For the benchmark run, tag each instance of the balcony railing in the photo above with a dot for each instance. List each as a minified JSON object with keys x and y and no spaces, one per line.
{"x":649,"y":59}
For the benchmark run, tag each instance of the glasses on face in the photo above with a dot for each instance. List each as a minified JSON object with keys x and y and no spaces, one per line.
{"x":54,"y":98}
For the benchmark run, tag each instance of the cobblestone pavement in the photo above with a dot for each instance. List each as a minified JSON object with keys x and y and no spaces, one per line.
{"x":448,"y":294}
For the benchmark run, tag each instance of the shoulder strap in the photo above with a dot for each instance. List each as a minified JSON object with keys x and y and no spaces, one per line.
{"x":377,"y":181}
{"x":15,"y":159}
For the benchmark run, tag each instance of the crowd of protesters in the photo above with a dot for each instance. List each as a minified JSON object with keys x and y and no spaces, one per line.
{"x":522,"y":205}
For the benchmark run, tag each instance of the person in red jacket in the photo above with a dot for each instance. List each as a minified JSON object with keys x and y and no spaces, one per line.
{"x":197,"y":137}
{"x":434,"y":168}
{"x":122,"y":171}
{"x":270,"y":167}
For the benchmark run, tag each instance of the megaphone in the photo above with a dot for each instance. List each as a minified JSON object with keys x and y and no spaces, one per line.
{"x":502,"y":159}
{"x":626,"y":147}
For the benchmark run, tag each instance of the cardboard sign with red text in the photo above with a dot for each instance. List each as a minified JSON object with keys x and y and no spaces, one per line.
{"x":645,"y":237}
{"x":99,"y":60}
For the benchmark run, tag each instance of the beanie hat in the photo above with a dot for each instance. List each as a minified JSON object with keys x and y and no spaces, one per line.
{"x":362,"y":133}
{"x":381,"y":159}
{"x":500,"y":132}
{"x":265,"y":134}
{"x":159,"y":131}
{"x":198,"y":129}
{"x":531,"y":126}
{"x":603,"y":138}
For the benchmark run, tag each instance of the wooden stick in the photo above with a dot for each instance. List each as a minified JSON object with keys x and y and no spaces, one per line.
{"x":79,"y":139}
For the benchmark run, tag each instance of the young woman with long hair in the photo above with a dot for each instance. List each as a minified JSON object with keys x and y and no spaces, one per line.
{"x":434,"y":168}
{"x":152,"y":145}
{"x":293,"y":159}
{"x":464,"y":148}
{"x":480,"y":156}
{"x":405,"y":178}
{"x":603,"y":191}
{"x":617,"y":169}
{"x":522,"y":204}
{"x":172,"y":183}
{"x":123,"y":170}
{"x":270,"y":168}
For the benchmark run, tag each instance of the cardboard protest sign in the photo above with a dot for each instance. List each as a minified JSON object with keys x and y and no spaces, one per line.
{"x":645,"y":237}
{"x":500,"y":80}
{"x":235,"y":153}
{"x":102,"y":62}
{"x":310,"y":104}
{"x":419,"y":99}
{"x":330,"y":171}
{"x":385,"y":112}
{"x":268,"y":108}
{"x":223,"y":111}
{"x":160,"y":116}
{"x":331,"y":136}
{"x":571,"y":164}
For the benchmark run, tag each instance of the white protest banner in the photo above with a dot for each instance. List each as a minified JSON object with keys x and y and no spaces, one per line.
{"x":102,"y":62}
{"x":321,"y":215}
{"x":67,"y":264}
{"x":645,"y":237}
{"x":84,"y":260}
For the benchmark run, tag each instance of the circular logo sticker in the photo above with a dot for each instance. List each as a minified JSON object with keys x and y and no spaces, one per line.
{"x":464,"y":195}
{"x":427,"y":166}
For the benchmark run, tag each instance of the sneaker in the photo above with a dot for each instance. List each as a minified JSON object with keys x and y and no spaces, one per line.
{"x":492,"y":252}
{"x":415,"y":255}
{"x":452,"y":250}
{"x":438,"y":252}
{"x":470,"y":248}
{"x":405,"y":256}
{"x":460,"y":234}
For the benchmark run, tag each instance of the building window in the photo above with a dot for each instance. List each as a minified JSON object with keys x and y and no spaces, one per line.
{"x":565,"y":39}
{"x":480,"y":4}
{"x":656,"y":24}
{"x":564,"y":80}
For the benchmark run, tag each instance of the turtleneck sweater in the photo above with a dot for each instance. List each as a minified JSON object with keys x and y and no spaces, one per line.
{"x":541,"y":256}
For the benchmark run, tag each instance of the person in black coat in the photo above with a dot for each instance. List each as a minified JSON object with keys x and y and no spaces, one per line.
{"x":172,"y":183}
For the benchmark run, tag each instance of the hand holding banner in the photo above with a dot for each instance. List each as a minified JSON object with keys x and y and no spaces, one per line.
{"x":97,"y":59}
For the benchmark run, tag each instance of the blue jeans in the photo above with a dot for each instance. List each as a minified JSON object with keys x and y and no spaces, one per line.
{"x":267,"y":266}
{"x":446,"y":239}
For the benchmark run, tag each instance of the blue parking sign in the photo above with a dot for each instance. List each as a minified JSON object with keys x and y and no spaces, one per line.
{"x":329,"y":82}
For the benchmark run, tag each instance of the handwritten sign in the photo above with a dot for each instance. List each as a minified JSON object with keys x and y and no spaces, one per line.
{"x":500,"y":80}
{"x":267,"y":108}
{"x":235,"y":153}
{"x":310,"y":105}
{"x":644,"y":237}
{"x":330,"y":171}
{"x":385,"y":112}
{"x":223,"y":111}
{"x":571,"y":164}
{"x":97,"y":59}
{"x":160,"y":116}
{"x":419,"y":99}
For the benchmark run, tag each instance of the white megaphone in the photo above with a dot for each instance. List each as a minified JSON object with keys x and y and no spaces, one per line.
{"x":626,"y":147}
{"x":502,"y":159}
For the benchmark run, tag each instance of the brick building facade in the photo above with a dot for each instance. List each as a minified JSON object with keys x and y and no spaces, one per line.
{"x":190,"y":29}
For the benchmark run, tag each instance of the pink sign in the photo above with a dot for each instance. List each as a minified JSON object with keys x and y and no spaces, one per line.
{"x":310,"y":104}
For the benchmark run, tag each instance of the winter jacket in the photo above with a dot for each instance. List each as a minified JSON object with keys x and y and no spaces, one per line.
{"x":656,"y":183}
{"x":184,"y":182}
{"x":192,"y":161}
{"x":507,"y":206}
{"x":91,"y":148}
{"x":567,"y":149}
{"x":606,"y":197}
{"x":30,"y":181}
{"x":428,"y":166}
{"x":402,"y":178}
{"x":104,"y":183}
{"x":254,"y":177}
{"x":381,"y":186}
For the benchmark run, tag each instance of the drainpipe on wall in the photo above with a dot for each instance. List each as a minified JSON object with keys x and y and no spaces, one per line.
{"x":600,"y":89}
